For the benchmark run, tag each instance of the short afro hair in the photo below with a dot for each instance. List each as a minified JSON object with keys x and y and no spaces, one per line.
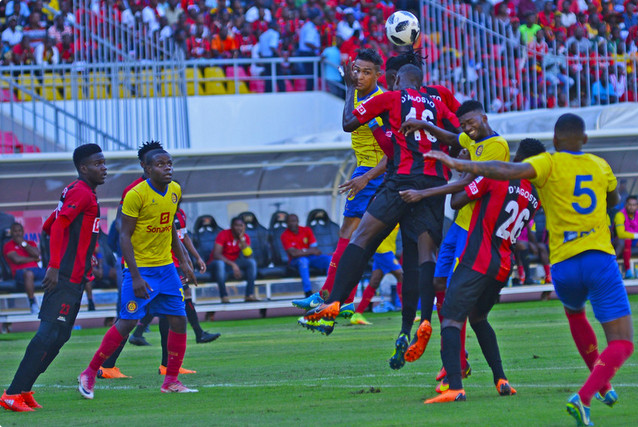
{"x":569,"y":126}
{"x":396,"y":62}
{"x":529,"y":147}
{"x":469,"y":106}
{"x":83,"y":152}
{"x":146,"y":147}
{"x":370,"y":55}
{"x":148,"y":158}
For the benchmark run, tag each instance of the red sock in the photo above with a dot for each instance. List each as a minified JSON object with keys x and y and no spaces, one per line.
{"x":368,"y":293}
{"x":548,"y":273}
{"x":352,"y":294}
{"x":462,"y":354}
{"x":440,"y":297}
{"x":610,"y":360}
{"x":342,"y":244}
{"x":176,"y":347}
{"x":110,"y":343}
{"x":626,"y":254}
{"x":521,"y":273}
{"x":399,"y":289}
{"x":584,"y":337}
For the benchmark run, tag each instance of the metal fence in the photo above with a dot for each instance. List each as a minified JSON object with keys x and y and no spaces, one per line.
{"x":483,"y":58}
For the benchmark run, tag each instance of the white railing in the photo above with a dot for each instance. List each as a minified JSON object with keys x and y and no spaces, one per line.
{"x":483,"y":58}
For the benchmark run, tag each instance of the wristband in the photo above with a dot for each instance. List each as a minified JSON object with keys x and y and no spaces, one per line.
{"x":247,"y":251}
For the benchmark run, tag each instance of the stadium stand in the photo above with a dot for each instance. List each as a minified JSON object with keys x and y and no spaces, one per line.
{"x":326,"y":231}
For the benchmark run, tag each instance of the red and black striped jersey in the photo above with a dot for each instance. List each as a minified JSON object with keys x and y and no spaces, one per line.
{"x":503,"y":209}
{"x":409,"y":149}
{"x":78,"y":203}
{"x":444,"y":95}
{"x":129,"y":187}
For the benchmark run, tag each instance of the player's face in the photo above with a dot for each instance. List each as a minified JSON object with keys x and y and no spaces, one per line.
{"x":473,"y":124}
{"x":94,"y":168}
{"x":390,"y":77}
{"x":365,"y":75}
{"x":631,"y":206}
{"x":238,"y":228}
{"x":161,"y":169}
{"x":292,"y":223}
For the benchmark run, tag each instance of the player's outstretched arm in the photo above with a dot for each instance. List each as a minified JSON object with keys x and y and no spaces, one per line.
{"x":411,"y":196}
{"x":354,"y":185}
{"x":349,"y":122}
{"x":493,"y":169}
{"x":184,"y":262}
{"x":443,"y":136}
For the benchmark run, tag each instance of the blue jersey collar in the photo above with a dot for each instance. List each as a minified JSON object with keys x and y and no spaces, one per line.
{"x":368,"y":95}
{"x":155,"y":189}
{"x":572,"y":152}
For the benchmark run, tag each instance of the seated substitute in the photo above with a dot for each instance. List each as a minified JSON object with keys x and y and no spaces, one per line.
{"x":301,"y":246}
{"x":626,"y":225}
{"x":232,"y":254}
{"x":23,"y":256}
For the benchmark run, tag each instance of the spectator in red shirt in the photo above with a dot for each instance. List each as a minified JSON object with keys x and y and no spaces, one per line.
{"x":23,"y":256}
{"x":301,"y":246}
{"x":66,"y":49}
{"x":22,"y":53}
{"x":546,"y":17}
{"x":232,"y":254}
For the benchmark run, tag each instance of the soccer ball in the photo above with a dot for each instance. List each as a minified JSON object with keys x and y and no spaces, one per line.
{"x":402,"y":28}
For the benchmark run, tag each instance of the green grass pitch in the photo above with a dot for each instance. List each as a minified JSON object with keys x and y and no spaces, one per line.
{"x":273,"y":372}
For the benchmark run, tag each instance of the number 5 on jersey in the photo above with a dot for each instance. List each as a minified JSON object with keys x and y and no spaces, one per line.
{"x":579,"y":190}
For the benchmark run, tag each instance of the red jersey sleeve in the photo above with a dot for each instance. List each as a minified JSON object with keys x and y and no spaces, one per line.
{"x":221,"y":237}
{"x":448,"y":98}
{"x":75,"y":202}
{"x":477,"y":188}
{"x":311,"y":237}
{"x":445,"y":118}
{"x":374,"y":106}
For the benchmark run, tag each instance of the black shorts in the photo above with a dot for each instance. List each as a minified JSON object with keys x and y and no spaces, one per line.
{"x":470,"y":292}
{"x":62,"y":304}
{"x":414,"y":218}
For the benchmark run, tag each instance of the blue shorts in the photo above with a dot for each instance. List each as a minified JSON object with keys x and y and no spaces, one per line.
{"x":450,"y":252}
{"x":593,"y":276}
{"x":357,"y":205}
{"x":166,"y":297}
{"x":38,"y":274}
{"x":385,"y":262}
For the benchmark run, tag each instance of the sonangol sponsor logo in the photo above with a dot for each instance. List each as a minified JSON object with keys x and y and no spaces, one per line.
{"x":151,"y":229}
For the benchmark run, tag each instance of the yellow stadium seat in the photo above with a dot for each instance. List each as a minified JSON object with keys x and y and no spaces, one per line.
{"x":30,"y":83}
{"x":170,"y":82}
{"x":125,"y":84}
{"x":214,"y":87}
{"x":145,"y":83}
{"x":193,"y":76}
{"x":98,"y":85}
{"x":52,"y":87}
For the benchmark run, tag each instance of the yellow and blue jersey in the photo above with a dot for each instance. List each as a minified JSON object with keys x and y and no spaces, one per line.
{"x":389,"y":244}
{"x":153,"y":232}
{"x":365,"y":146}
{"x":494,"y":147}
{"x":573,"y":188}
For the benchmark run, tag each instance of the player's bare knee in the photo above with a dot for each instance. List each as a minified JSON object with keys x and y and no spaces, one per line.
{"x":125,"y":326}
{"x":177,"y":324}
{"x":619,"y":329}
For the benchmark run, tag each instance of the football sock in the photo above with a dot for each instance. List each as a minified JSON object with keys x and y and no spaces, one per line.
{"x":410,"y":299}
{"x":584,"y":337}
{"x":352,"y":295}
{"x":610,"y":360}
{"x":342,"y":244}
{"x":30,"y":367}
{"x":626,"y":255}
{"x":489,"y":346}
{"x":110,"y":343}
{"x":440,"y":297}
{"x":347,"y":278}
{"x":548,"y":273}
{"x":368,"y":293}
{"x":164,"y":328}
{"x":191,"y":313}
{"x":426,"y":289}
{"x":525,"y":261}
{"x":112,"y":360}
{"x":462,"y":353}
{"x":450,"y":347}
{"x":176,"y":349}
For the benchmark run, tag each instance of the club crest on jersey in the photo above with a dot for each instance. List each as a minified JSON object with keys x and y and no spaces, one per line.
{"x":479,"y":150}
{"x":174,"y":197}
{"x":473,"y":185}
{"x":361,"y":109}
{"x":131,"y":307}
{"x":96,"y":225}
{"x":165,"y":217}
